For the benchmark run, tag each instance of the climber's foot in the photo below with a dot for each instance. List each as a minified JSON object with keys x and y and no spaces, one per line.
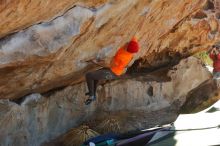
{"x":90,"y":100}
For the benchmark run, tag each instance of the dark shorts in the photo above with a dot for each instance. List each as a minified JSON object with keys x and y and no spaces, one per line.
{"x":104,"y":73}
{"x":216,"y":75}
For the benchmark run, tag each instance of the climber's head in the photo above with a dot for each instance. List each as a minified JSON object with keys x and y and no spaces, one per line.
{"x":133,"y":46}
{"x":217,"y":47}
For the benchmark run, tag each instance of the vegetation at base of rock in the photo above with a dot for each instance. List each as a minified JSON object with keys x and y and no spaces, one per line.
{"x":76,"y":136}
{"x":204,"y":56}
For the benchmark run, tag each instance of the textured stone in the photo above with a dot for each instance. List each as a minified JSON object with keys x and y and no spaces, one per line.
{"x":201,"y":97}
{"x":134,"y":94}
{"x":45,"y":45}
{"x":52,"y":53}
{"x":140,"y":101}
{"x":18,"y":14}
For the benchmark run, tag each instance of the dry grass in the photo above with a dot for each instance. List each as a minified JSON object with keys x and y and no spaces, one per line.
{"x":76,"y":136}
{"x":109,"y":123}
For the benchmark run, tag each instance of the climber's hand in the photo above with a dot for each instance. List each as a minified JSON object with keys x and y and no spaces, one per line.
{"x":97,"y":61}
{"x":100,"y":62}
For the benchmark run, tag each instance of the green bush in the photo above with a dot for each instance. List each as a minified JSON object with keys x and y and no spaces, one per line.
{"x":204,"y":56}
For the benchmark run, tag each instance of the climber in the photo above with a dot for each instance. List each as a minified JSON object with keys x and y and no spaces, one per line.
{"x":215,"y":56}
{"x":113,"y":71}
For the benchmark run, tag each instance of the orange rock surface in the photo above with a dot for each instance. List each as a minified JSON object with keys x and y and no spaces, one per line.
{"x":53,"y":39}
{"x":20,"y":14}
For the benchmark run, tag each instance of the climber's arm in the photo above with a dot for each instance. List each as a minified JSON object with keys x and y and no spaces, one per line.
{"x":101,"y":63}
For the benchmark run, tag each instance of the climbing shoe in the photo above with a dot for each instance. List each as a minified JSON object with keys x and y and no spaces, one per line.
{"x":90,"y":99}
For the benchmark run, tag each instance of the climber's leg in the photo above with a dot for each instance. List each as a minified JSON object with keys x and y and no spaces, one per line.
{"x":92,"y":79}
{"x":216,"y":77}
{"x":90,"y":83}
{"x":95,"y":86}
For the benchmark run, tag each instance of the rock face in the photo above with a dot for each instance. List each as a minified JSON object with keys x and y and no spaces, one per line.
{"x":45,"y":46}
{"x":19,"y":14}
{"x":201,"y":97}
{"x":39,"y":118}
{"x":53,"y":39}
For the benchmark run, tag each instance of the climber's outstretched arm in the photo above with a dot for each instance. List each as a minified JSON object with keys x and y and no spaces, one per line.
{"x":101,"y":63}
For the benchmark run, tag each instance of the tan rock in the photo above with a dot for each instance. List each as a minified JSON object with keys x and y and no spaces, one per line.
{"x":52,"y":54}
{"x":19,"y":14}
{"x":128,"y":103}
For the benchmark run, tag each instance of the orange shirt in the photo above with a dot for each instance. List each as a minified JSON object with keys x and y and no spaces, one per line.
{"x":120,"y":61}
